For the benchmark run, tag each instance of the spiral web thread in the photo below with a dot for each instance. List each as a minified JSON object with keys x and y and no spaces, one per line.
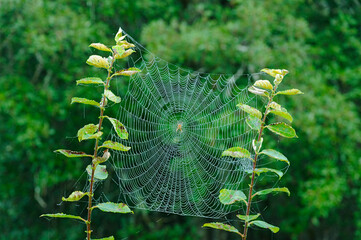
{"x":179,"y":123}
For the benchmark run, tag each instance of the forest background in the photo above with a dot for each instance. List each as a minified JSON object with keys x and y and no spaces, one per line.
{"x":43,"y":49}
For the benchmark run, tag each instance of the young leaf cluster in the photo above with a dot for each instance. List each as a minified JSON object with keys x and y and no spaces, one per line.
{"x":96,"y":169}
{"x":256,"y":120}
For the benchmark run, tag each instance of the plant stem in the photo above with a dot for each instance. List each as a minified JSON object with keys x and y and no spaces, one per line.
{"x":90,"y":202}
{"x":244,"y":237}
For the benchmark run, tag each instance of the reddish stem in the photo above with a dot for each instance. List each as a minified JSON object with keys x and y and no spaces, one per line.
{"x":244,"y":237}
{"x":96,"y":154}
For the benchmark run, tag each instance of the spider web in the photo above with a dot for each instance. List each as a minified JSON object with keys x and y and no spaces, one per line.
{"x":179,"y":123}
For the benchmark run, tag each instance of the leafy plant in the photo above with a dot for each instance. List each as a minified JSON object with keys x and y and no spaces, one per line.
{"x":257,"y":121}
{"x":97,"y":170}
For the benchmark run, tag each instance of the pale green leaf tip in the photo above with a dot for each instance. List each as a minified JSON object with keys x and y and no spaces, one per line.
{"x":274,"y":229}
{"x":288,"y":192}
{"x":207,"y":225}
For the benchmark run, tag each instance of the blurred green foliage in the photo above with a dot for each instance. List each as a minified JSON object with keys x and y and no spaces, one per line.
{"x":43,"y":47}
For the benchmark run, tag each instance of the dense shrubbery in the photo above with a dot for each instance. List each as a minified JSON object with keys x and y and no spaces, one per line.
{"x":42,"y":43}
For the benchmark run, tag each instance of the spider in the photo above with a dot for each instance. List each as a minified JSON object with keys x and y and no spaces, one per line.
{"x":179,"y":127}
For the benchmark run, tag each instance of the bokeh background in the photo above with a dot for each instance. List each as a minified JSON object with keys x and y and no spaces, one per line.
{"x":43,"y":49}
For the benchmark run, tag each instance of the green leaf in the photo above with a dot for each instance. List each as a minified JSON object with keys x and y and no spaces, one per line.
{"x":275,"y":154}
{"x":258,"y":171}
{"x":115,"y":146}
{"x":118,"y":127}
{"x":275,"y":105}
{"x":274,"y":72}
{"x":263,"y":224}
{"x":258,"y":91}
{"x":88,"y":129}
{"x":110,"y":59}
{"x":62,"y":215}
{"x":248,"y":218}
{"x":125,"y":44}
{"x":118,"y":51}
{"x":228,"y":197}
{"x":98,"y":61}
{"x":270,"y":190}
{"x":98,"y":160}
{"x":103,"y":102}
{"x":125,"y":54}
{"x":265,"y":84}
{"x":102,"y":159}
{"x":75,"y":196}
{"x":107,"y":238}
{"x":237,"y":152}
{"x":222,"y":226}
{"x":257,"y":145}
{"x":127,"y":72}
{"x":100,"y":173}
{"x":94,"y":136}
{"x":119,"y":36}
{"x":100,"y":46}
{"x":84,"y":101}
{"x":282,"y":129}
{"x":290,"y":92}
{"x":114,"y":207}
{"x":282,"y":114}
{"x":264,"y":170}
{"x":70,"y":154}
{"x":111,"y":96}
{"x":278,"y":79}
{"x":250,"y":110}
{"x":90,"y":80}
{"x":88,"y":132}
{"x":254,"y":122}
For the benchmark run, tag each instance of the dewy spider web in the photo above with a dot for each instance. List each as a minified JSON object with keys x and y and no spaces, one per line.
{"x":179,"y":123}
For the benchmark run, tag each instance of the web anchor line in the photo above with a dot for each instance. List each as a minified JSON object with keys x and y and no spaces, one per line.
{"x":179,"y":123}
